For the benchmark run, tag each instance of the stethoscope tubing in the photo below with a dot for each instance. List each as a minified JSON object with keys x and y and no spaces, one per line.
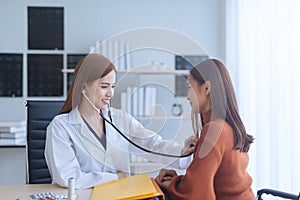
{"x":133,"y":143}
{"x":124,"y":136}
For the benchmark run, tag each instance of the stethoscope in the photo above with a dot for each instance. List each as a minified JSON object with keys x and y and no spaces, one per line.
{"x":110,"y":122}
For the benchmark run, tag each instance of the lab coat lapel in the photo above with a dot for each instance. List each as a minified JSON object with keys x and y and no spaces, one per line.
{"x":87,"y":138}
{"x":118,"y":157}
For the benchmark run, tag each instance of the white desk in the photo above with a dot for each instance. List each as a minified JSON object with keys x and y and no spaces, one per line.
{"x":23,"y":192}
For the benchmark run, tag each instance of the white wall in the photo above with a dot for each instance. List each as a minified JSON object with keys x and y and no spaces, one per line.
{"x":92,"y":20}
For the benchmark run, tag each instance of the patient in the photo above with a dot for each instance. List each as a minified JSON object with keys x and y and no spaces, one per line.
{"x":218,"y":170}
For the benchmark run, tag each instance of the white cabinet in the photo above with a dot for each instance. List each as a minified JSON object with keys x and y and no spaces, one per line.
{"x":13,"y":165}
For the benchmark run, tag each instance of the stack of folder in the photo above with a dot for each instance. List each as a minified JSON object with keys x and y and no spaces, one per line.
{"x":134,"y":187}
{"x":13,"y":131}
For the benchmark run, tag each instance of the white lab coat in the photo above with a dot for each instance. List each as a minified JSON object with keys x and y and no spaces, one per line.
{"x":73,"y":151}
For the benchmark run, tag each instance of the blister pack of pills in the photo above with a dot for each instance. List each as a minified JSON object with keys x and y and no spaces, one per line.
{"x":48,"y":196}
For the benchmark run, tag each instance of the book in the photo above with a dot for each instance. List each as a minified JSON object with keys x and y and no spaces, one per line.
{"x":11,"y":129}
{"x":134,"y":101}
{"x":150,"y":100}
{"x":129,"y":99}
{"x":134,"y":187}
{"x":141,"y":100}
{"x":127,"y":56}
{"x":8,"y":142}
{"x":13,"y":135}
{"x":12,"y":123}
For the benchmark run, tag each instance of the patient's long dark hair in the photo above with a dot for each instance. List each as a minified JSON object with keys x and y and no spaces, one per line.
{"x":223,"y":100}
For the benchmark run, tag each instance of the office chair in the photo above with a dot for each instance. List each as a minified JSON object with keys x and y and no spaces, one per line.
{"x":39,"y":115}
{"x":277,"y":193}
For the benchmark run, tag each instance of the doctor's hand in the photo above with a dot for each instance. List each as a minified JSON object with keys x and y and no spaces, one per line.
{"x":165,"y":177}
{"x":121,"y":175}
{"x":189,"y":145}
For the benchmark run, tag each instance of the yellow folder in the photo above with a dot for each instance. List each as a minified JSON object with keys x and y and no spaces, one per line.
{"x":134,"y":187}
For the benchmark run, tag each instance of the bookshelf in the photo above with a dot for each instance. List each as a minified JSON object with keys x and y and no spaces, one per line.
{"x":150,"y":72}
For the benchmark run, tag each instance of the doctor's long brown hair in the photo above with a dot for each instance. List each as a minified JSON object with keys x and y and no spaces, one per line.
{"x":223,"y":100}
{"x":88,"y":69}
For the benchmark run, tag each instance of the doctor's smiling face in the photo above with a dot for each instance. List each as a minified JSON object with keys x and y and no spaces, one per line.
{"x":101,"y":90}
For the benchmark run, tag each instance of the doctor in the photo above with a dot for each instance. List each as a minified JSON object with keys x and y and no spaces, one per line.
{"x":80,"y":144}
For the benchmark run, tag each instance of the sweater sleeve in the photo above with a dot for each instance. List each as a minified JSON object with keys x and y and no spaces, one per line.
{"x":198,"y":182}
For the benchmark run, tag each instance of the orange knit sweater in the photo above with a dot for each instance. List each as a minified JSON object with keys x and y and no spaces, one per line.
{"x":217,"y":171}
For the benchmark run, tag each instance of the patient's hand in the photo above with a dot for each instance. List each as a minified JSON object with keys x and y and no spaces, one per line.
{"x":189,"y":145}
{"x":165,"y":177}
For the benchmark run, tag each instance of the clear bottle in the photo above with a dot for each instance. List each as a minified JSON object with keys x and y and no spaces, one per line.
{"x":71,"y":189}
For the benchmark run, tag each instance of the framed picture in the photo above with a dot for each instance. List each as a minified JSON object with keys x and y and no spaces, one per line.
{"x":46,"y":28}
{"x":44,"y":75}
{"x":11,"y":79}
